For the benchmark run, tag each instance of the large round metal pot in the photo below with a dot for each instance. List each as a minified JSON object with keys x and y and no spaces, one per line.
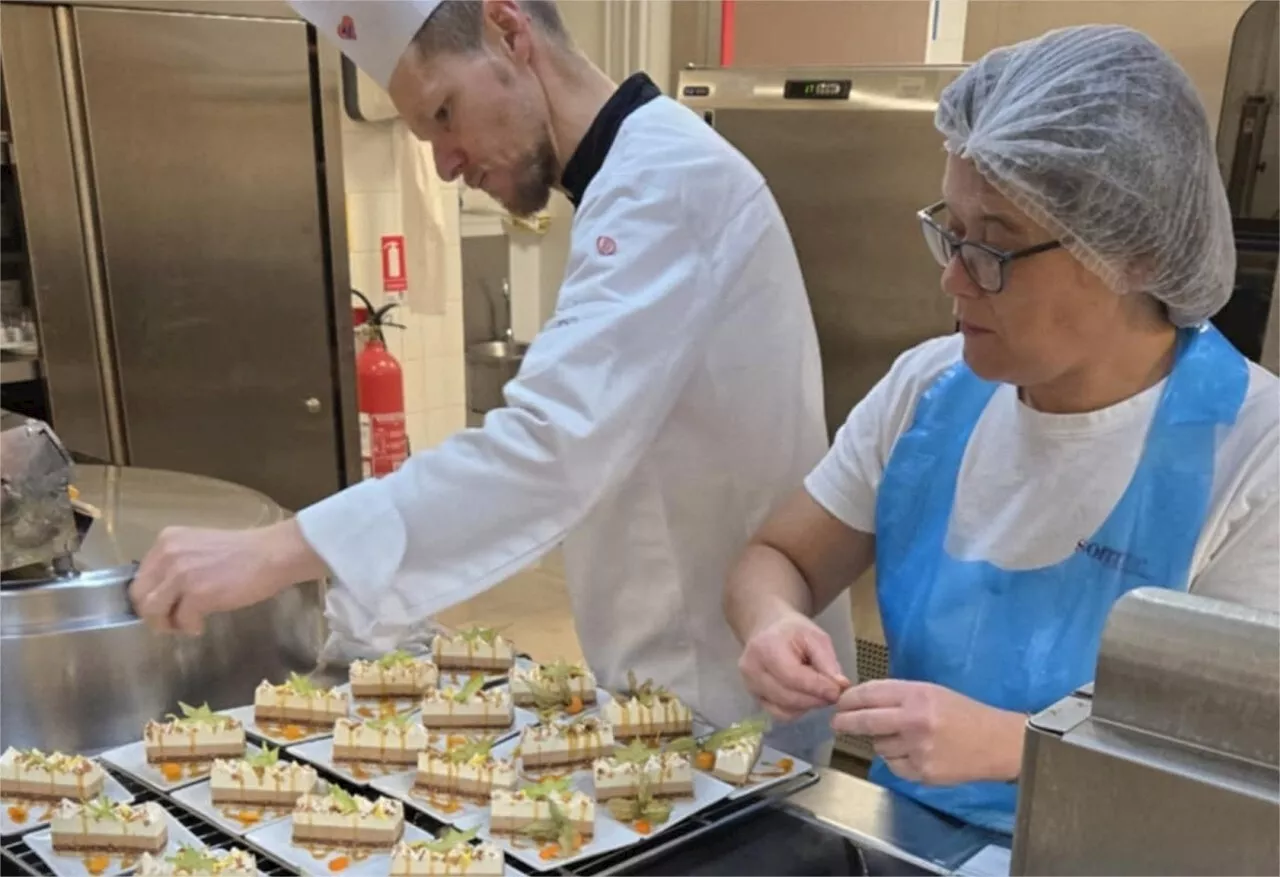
{"x":79,"y":672}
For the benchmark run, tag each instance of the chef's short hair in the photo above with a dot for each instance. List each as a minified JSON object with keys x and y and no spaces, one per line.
{"x":457,"y":25}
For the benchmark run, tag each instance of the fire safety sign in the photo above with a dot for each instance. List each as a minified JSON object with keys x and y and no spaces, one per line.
{"x":394,"y":277}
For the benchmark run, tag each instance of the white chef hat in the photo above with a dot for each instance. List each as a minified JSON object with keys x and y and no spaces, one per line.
{"x":372,"y":33}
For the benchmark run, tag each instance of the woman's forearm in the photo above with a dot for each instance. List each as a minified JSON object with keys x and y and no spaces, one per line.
{"x":763,"y":586}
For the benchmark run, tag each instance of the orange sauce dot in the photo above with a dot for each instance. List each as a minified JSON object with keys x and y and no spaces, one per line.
{"x":18,"y":813}
{"x":96,"y":864}
{"x":171,"y":771}
{"x":705,"y":761}
{"x":550,"y":851}
{"x":359,"y":772}
{"x":292,"y":732}
{"x":366,"y":712}
{"x":785,"y":765}
{"x":248,"y":817}
{"x":575,"y":705}
{"x":642,"y":826}
{"x":340,"y":864}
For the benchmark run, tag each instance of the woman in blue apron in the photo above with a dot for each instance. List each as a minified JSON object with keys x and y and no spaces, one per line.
{"x":1087,"y":432}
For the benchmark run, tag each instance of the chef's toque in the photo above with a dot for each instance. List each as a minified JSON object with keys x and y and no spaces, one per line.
{"x":372,"y":33}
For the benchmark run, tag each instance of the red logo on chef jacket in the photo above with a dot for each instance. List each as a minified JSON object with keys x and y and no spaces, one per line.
{"x":606,"y":246}
{"x":347,"y":28}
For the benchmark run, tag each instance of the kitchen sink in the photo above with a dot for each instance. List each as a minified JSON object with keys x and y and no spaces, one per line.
{"x":490,"y":364}
{"x":497,"y":352}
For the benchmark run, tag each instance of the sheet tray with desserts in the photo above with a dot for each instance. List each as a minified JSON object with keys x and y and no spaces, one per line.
{"x":466,"y":758}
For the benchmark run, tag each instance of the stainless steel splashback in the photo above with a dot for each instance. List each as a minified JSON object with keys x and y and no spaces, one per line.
{"x":851,"y":154}
{"x":181,"y":178}
{"x":1170,"y":762}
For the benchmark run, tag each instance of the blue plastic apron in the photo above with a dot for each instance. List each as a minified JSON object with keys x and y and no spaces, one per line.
{"x":1023,"y":640}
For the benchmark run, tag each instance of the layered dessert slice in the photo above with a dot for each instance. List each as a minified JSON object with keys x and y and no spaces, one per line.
{"x":555,"y":686}
{"x":544,"y":811}
{"x":638,"y":772}
{"x":340,"y":819}
{"x":199,"y":862}
{"x":469,"y":707}
{"x":648,"y":711}
{"x":299,"y":702}
{"x":30,"y":773}
{"x":474,"y":648}
{"x":465,"y":771}
{"x":261,"y":779}
{"x":389,"y":740}
{"x":199,"y":734}
{"x":565,"y":744}
{"x":451,"y":854}
{"x":398,"y":674}
{"x":105,"y":826}
{"x":731,"y":753}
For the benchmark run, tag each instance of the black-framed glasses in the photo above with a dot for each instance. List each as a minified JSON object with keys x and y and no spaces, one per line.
{"x":986,"y":266}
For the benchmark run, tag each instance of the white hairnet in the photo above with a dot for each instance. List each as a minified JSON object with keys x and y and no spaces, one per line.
{"x":1098,"y":135}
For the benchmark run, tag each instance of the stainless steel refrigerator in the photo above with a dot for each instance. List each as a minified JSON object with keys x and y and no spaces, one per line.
{"x":179,"y":173}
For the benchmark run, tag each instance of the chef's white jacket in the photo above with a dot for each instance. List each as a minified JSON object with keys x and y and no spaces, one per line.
{"x":672,"y":401}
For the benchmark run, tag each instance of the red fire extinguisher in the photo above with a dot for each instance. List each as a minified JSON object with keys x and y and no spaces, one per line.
{"x":384,"y":444}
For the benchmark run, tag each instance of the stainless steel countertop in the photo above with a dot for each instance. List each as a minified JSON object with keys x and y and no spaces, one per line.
{"x":877,"y":819}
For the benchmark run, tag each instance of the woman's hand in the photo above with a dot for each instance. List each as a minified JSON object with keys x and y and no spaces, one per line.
{"x":791,"y":666}
{"x":930,"y":734}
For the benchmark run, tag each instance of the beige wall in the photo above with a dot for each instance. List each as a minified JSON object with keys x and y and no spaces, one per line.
{"x":1196,"y":32}
{"x":772,"y":33}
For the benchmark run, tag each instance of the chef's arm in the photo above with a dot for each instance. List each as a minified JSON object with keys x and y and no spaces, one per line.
{"x":593,"y":390}
{"x":800,"y":560}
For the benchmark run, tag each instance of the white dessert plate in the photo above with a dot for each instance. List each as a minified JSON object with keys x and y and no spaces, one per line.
{"x":276,"y":839}
{"x":707,"y":790}
{"x":467,"y":815}
{"x":73,"y":864}
{"x":40,"y":812}
{"x":460,"y":677}
{"x":438,"y":738}
{"x":602,"y":697}
{"x":199,"y":800}
{"x":251,"y":727}
{"x":372,"y":707}
{"x":769,"y":757}
{"x":132,"y":759}
{"x":609,"y":835}
{"x":320,"y":753}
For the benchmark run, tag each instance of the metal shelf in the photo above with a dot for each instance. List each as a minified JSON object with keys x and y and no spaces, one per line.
{"x":14,"y":369}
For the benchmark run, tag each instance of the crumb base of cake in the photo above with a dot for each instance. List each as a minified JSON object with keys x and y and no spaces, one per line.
{"x":288,"y":716}
{"x":670,"y":789}
{"x":347,"y":836}
{"x":259,"y":797}
{"x":406,"y":867}
{"x":109,"y":843}
{"x":514,"y":825}
{"x":472,"y":790}
{"x":43,"y":791}
{"x":654,"y":730}
{"x":469,"y":723}
{"x":527,"y":699}
{"x":374,"y":755}
{"x":564,"y":757}
{"x":373,"y":690}
{"x":473,"y":662}
{"x":185,"y":753}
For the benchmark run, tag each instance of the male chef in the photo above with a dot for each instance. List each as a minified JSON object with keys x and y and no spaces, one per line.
{"x":671,"y":402}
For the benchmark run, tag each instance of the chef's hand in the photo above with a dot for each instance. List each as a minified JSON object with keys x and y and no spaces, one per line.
{"x":189,"y":573}
{"x":791,"y":666}
{"x":930,"y":734}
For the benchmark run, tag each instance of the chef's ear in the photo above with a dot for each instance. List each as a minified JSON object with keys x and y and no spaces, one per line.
{"x":511,"y":25}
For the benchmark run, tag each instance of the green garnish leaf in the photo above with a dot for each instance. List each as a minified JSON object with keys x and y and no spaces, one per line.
{"x":101,"y":807}
{"x":743,"y":730}
{"x":463,"y":753}
{"x":396,"y":658}
{"x":477,"y":633}
{"x":301,"y":684}
{"x":201,"y":713}
{"x":384,"y":723}
{"x":468,"y":691}
{"x":265,"y":757}
{"x":193,"y":860}
{"x":635,"y":753}
{"x":346,"y":803}
{"x":452,"y":838}
{"x":683,"y":746}
{"x":546,"y":788}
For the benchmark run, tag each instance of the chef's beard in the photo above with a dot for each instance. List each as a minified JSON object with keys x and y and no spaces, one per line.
{"x":538,"y":173}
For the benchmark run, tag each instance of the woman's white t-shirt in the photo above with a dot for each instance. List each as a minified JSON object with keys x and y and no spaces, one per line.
{"x":1033,"y":485}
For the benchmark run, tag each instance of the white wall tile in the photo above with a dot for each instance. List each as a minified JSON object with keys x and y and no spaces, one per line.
{"x":453,"y":381}
{"x":443,"y":423}
{"x":367,"y":159}
{"x":414,"y":390}
{"x":453,"y":328}
{"x":412,"y":333}
{"x":416,"y":425}
{"x":433,"y":333}
{"x":370,"y":215}
{"x":366,"y":275}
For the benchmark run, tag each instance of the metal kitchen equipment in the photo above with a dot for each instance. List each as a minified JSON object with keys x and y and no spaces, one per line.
{"x":179,"y":167}
{"x":851,"y":154}
{"x":79,"y":672}
{"x":1170,"y":762}
{"x":37,"y":522}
